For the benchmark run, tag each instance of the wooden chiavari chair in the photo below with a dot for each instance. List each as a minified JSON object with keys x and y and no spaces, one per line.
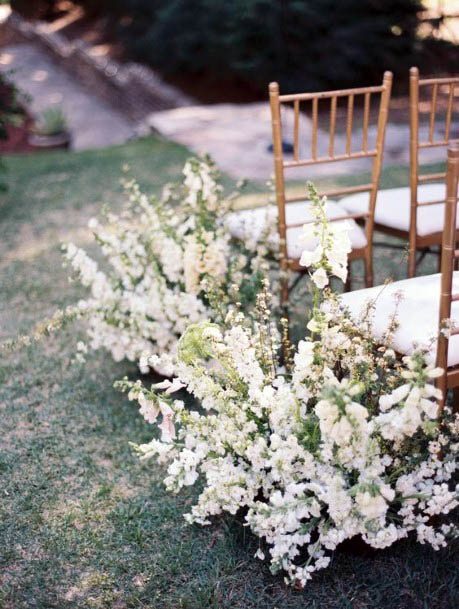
{"x":424,"y":304}
{"x":449,"y":255}
{"x":416,"y":213}
{"x":294,"y":211}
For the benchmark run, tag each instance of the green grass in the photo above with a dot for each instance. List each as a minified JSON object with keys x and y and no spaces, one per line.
{"x":82,"y":522}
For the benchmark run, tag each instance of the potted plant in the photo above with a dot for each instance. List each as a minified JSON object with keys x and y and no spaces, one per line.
{"x":50,"y":130}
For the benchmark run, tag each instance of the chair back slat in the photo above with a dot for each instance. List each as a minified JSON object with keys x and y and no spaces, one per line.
{"x":433,"y":111}
{"x":296,"y":130}
{"x":349,"y":122}
{"x":447,"y":261}
{"x":331,"y":145}
{"x":366,"y":121}
{"x":315,"y":123}
{"x":449,"y":111}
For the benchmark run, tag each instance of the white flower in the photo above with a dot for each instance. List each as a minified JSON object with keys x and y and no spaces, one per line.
{"x":148,"y":409}
{"x":170,"y":386}
{"x":320,"y":278}
{"x":310,"y":258}
{"x":371,"y":506}
{"x":341,"y":440}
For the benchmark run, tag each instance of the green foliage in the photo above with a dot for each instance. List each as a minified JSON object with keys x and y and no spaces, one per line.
{"x":301,"y":43}
{"x":51,"y":121}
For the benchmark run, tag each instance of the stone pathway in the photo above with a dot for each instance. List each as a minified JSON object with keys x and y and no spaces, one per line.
{"x":237,"y":137}
{"x":93,"y":124}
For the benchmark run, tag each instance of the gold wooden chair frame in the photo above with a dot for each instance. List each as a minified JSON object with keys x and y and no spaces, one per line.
{"x":423,"y":297}
{"x":416,"y":146}
{"x":417,"y":242}
{"x":351,"y":153}
{"x":450,"y":380}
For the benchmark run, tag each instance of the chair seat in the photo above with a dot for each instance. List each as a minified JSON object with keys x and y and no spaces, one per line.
{"x":251,"y":223}
{"x":417,"y":313}
{"x":393,"y":208}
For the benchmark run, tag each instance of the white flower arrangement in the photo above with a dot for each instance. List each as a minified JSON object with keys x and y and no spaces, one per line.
{"x":343,"y":441}
{"x":164,"y":259}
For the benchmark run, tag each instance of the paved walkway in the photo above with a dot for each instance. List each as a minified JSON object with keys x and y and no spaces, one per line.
{"x":237,"y":137}
{"x":92,"y":123}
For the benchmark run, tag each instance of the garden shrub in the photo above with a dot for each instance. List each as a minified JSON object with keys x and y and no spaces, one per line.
{"x":302,"y":44}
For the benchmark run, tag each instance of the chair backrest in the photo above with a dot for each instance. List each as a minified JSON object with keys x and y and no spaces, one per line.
{"x":428,"y":92}
{"x":449,"y":255}
{"x":352,"y":149}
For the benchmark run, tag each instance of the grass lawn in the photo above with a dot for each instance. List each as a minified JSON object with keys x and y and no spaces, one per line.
{"x":82,"y":522}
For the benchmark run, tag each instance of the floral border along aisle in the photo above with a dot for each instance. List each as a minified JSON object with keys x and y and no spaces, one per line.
{"x":169,"y":262}
{"x":342,"y":442}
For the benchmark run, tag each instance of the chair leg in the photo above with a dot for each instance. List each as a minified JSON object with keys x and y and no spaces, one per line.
{"x":368,"y":261}
{"x":439,"y":259}
{"x":411,"y":262}
{"x":348,"y":282}
{"x":284,"y":300}
{"x":455,"y":402}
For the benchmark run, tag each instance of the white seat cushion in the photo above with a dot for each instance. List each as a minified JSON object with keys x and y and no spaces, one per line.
{"x":393,"y":208}
{"x":251,"y":223}
{"x":417,"y":313}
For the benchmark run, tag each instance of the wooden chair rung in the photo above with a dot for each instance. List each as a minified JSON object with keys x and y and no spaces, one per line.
{"x":327,"y":159}
{"x":329,"y":94}
{"x":424,"y":82}
{"x":436,"y":144}
{"x":335,"y":192}
{"x":346,"y":190}
{"x":358,"y":216}
{"x":427,"y":203}
{"x":431,"y":177}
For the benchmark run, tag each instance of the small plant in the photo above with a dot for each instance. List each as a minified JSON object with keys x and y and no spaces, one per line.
{"x":52,"y":121}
